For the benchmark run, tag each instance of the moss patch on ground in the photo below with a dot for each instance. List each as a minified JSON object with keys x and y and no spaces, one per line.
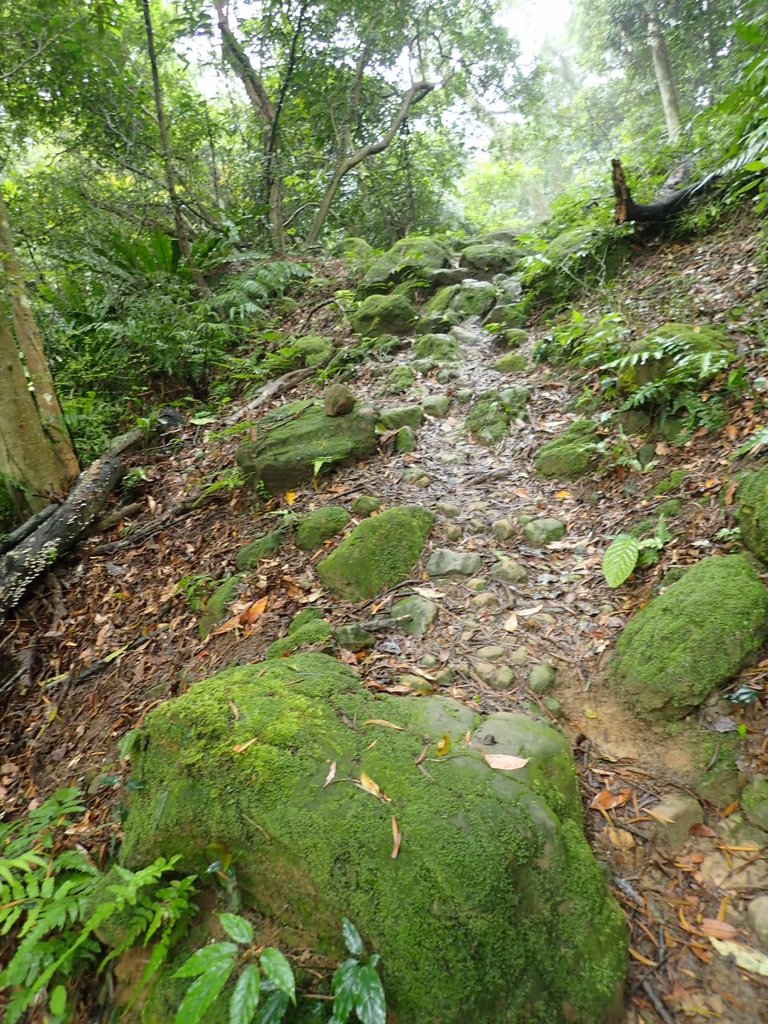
{"x":491,"y":415}
{"x":482,"y":915}
{"x":752,"y":511}
{"x":693,"y":638}
{"x":571,"y":454}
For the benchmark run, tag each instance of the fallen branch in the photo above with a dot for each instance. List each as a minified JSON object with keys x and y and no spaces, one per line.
{"x":658,"y":212}
{"x":272,"y":389}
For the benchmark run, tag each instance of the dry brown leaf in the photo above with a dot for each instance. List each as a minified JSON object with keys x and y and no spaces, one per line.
{"x":397,"y":838}
{"x":606,"y":800}
{"x":290,"y":497}
{"x":331,"y":775}
{"x":746,"y":958}
{"x":505,"y":762}
{"x":563,"y":494}
{"x":367,"y":783}
{"x":240,"y":747}
{"x":510,"y":624}
{"x":730,"y":490}
{"x":525,"y":612}
{"x":384,"y":722}
{"x":253,"y":611}
{"x":704,"y":831}
{"x":718,"y":929}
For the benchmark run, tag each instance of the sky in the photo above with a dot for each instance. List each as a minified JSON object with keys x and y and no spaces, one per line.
{"x":533,"y":21}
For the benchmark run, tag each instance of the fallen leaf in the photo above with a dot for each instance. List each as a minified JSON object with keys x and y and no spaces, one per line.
{"x":746,"y":958}
{"x":290,"y":497}
{"x":563,"y":494}
{"x":384,"y":722}
{"x":330,"y":776}
{"x":525,"y":612}
{"x":235,"y":710}
{"x":444,"y":745}
{"x":397,"y":838}
{"x":505,"y":762}
{"x":704,"y":831}
{"x":606,"y":800}
{"x":730,"y":490}
{"x":254,"y":611}
{"x":367,"y":783}
{"x":244,"y":746}
{"x":589,"y":713}
{"x":510,"y":624}
{"x":714,"y":928}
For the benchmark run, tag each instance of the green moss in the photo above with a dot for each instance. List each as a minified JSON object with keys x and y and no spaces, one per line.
{"x":312,"y":633}
{"x":409,"y":258}
{"x":480,"y":917}
{"x":303,"y":617}
{"x":754,"y":802}
{"x":379,"y":553}
{"x":319,"y":525}
{"x":402,"y":416}
{"x":512,"y":315}
{"x":218,"y":603}
{"x":364,"y":504}
{"x":513,"y":362}
{"x":473,"y":298}
{"x":670,"y":483}
{"x":441,"y":347}
{"x":491,"y":415}
{"x":490,"y":257}
{"x":716,"y":777}
{"x":571,"y":454}
{"x":268,"y":544}
{"x":405,"y":440}
{"x":441,"y":300}
{"x":515,"y":337}
{"x":400,"y":379}
{"x":437,"y":322}
{"x":383,"y":314}
{"x":314,"y":349}
{"x":752,"y":511}
{"x":692,"y":638}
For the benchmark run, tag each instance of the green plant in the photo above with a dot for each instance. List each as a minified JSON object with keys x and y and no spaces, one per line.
{"x":356,"y":985}
{"x":228,"y":481}
{"x":54,"y":901}
{"x":196,"y":589}
{"x":623,"y":554}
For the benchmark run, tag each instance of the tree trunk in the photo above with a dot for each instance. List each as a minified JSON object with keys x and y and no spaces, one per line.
{"x":663,"y":209}
{"x":36,"y":454}
{"x":662,"y":69}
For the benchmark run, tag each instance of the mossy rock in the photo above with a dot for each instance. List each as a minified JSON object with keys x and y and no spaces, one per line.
{"x":515,"y":337}
{"x":579,"y":256}
{"x":218,"y":605}
{"x":402,"y":416}
{"x":402,"y":378}
{"x":409,"y":258}
{"x":716,"y":776}
{"x":480,"y":917}
{"x":473,"y":298}
{"x":383,"y":314}
{"x":320,"y":525}
{"x":752,"y":511}
{"x":313,"y":632}
{"x":268,"y":544}
{"x":437,"y":322}
{"x":570,"y":455}
{"x":439,"y":347}
{"x":512,"y":362}
{"x":314,"y":349}
{"x":693,"y":638}
{"x":512,"y":315}
{"x":654,"y":364}
{"x":297,"y":442}
{"x":490,"y":257}
{"x":489,"y":418}
{"x":365,"y":504}
{"x":379,"y":552}
{"x":754,"y":802}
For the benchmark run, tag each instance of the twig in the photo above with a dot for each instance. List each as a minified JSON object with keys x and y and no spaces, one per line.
{"x":656,"y":1003}
{"x":316,"y":309}
{"x":27,"y":527}
{"x":272,"y":389}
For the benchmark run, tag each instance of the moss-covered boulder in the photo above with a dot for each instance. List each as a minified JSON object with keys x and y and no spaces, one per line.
{"x":693,"y":638}
{"x":576,"y":257}
{"x":571,"y":454}
{"x":401,"y":416}
{"x":473,"y":298}
{"x":752,"y":511}
{"x":442,"y":348}
{"x":320,"y":525}
{"x":338,"y":400}
{"x":303,"y":633}
{"x":379,"y":553}
{"x":513,"y":315}
{"x":218,"y":604}
{"x":384,"y":314}
{"x":408,"y":259}
{"x":754,"y":802}
{"x":489,"y":419}
{"x":490,"y":257}
{"x":265,"y":546}
{"x":481,"y":915}
{"x":437,"y":322}
{"x":512,"y":362}
{"x":313,"y":349}
{"x":298,"y":442}
{"x":658,"y":354}
{"x":400,"y":379}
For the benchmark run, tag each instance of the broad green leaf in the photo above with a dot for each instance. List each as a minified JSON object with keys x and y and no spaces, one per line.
{"x":273,"y":1008}
{"x":370,"y":1003}
{"x":344,"y":986}
{"x":352,"y":939}
{"x":202,"y":992}
{"x":245,"y":998}
{"x":58,"y":1001}
{"x":620,"y":559}
{"x":237,"y":928}
{"x":277,"y":969}
{"x":207,"y":957}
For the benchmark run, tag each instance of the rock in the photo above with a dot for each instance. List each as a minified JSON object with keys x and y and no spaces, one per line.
{"x":464,"y":395}
{"x":754,"y":802}
{"x":438,"y":348}
{"x":757,"y":916}
{"x":379,"y":552}
{"x":490,"y":257}
{"x":476,"y":841}
{"x":543,"y":531}
{"x":751,"y":508}
{"x":484,"y":670}
{"x":509,"y":289}
{"x":541,"y":678}
{"x":248,"y":558}
{"x":508,"y":569}
{"x":519,"y":657}
{"x":447,"y":374}
{"x":383,"y":314}
{"x":436,"y":405}
{"x":717,"y":778}
{"x":408,"y":259}
{"x":453,"y":563}
{"x":491,"y":652}
{"x":314,"y":349}
{"x":364,"y":504}
{"x":477,"y":585}
{"x":416,"y":477}
{"x":514,"y":337}
{"x":218,"y":604}
{"x":512,"y":315}
{"x":513,"y":362}
{"x":437,"y":322}
{"x":445,"y":676}
{"x":485,"y":602}
{"x":405,"y":440}
{"x":571,"y":454}
{"x":313,"y":633}
{"x":452,"y":532}
{"x":542,"y":619}
{"x":734,"y":873}
{"x":503,"y":678}
{"x":428,"y":661}
{"x":338,"y":400}
{"x":693,"y":638}
{"x":468,"y":335}
{"x":673,"y":817}
{"x":503,"y":529}
{"x":473,"y":298}
{"x":421,"y":612}
{"x":297,"y":442}
{"x":578,"y":255}
{"x":448,"y":509}
{"x":320,"y":525}
{"x":400,"y":379}
{"x":353,"y":637}
{"x":402,"y":416}
{"x":490,"y":417}
{"x":553,"y":706}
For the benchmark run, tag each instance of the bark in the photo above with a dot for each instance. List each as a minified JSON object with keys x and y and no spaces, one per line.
{"x":658,"y":212}
{"x":348,"y":161}
{"x":662,"y":69}
{"x":36,"y":454}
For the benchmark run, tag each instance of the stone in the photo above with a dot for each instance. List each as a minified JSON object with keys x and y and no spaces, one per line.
{"x":416,"y":477}
{"x":364,"y":504}
{"x":673,"y":817}
{"x":379,"y":552}
{"x":503,"y":529}
{"x":473,"y":298}
{"x":503,"y":678}
{"x":512,"y":362}
{"x":383,"y":314}
{"x":218,"y":604}
{"x":578,"y":255}
{"x":751,"y":507}
{"x":570,"y":455}
{"x":452,"y":532}
{"x":401,"y":378}
{"x":448,"y":508}
{"x":512,"y":315}
{"x":402,"y":416}
{"x":436,"y":405}
{"x":297,"y":442}
{"x":490,"y":257}
{"x":268,"y":544}
{"x":405,"y":440}
{"x":421,"y":613}
{"x":509,"y":289}
{"x":314,"y":633}
{"x":320,"y":525}
{"x":314,"y":349}
{"x":477,"y":841}
{"x":514,"y":337}
{"x":508,"y":569}
{"x":543,"y":531}
{"x":485,"y":670}
{"x":491,"y":415}
{"x":541,"y":678}
{"x":466,"y":335}
{"x":437,"y":348}
{"x":519,"y":657}
{"x":453,"y":563}
{"x":428,"y":661}
{"x":491,"y":652}
{"x":754,"y":802}
{"x":447,"y":374}
{"x":437,"y":322}
{"x":464,"y":395}
{"x":477,"y":585}
{"x":445,"y":676}
{"x":409,"y":259}
{"x":553,"y":706}
{"x":338,"y":400}
{"x":541,"y":620}
{"x":485,"y":602}
{"x":353,"y":637}
{"x":757,"y":918}
{"x":693,"y":638}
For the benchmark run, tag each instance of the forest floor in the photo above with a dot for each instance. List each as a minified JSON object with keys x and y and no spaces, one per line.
{"x":61,"y":727}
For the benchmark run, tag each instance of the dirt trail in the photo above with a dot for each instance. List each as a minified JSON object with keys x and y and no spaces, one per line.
{"x":561,"y":615}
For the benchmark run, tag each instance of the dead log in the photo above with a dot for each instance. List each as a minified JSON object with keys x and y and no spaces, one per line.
{"x":663,"y":209}
{"x":61,"y":529}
